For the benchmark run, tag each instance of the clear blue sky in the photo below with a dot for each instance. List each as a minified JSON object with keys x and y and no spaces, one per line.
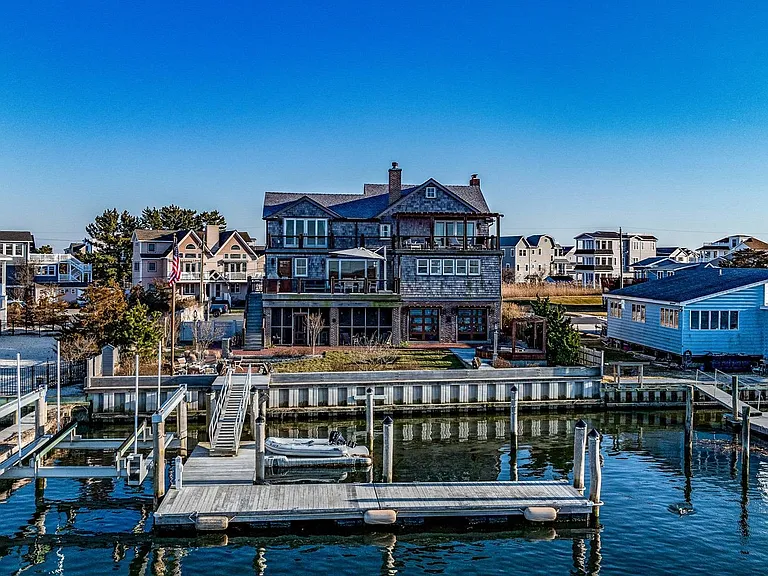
{"x":648,"y":115}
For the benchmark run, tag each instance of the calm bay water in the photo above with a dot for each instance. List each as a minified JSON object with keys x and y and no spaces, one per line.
{"x":103,"y":526}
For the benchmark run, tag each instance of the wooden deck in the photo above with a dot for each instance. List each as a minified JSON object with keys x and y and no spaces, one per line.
{"x":222,"y":487}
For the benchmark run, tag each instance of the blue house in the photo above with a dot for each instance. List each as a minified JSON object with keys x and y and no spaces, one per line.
{"x":704,"y":311}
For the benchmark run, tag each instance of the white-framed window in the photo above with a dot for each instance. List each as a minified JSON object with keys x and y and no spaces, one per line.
{"x":449,"y":267}
{"x":300,"y":267}
{"x":313,"y":230}
{"x":669,"y":318}
{"x":152,"y":266}
{"x":235,"y":247}
{"x":136,"y":266}
{"x":638,"y":313}
{"x":474,"y":267}
{"x":18,"y":250}
{"x":714,"y":319}
{"x":430,"y":192}
{"x":422,"y":267}
{"x":385,"y":230}
{"x":615,"y":309}
{"x":188,"y":289}
{"x":461,"y":267}
{"x":187,"y":247}
{"x":151,"y":247}
{"x":46,"y":270}
{"x":435,"y":267}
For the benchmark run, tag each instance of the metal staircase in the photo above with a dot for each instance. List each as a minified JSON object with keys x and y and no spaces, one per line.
{"x":229,"y":414}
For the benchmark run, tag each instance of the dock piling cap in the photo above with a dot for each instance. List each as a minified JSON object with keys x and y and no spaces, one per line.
{"x":387,"y":420}
{"x":581,"y":424}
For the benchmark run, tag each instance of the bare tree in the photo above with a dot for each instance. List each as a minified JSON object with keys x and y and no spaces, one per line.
{"x":203,"y":335}
{"x":315,"y":327}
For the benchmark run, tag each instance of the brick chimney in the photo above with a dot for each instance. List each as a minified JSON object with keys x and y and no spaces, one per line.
{"x":395,"y":183}
{"x":474,"y":181}
{"x":211,"y":235}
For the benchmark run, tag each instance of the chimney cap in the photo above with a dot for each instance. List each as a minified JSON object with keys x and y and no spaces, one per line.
{"x":474,"y":175}
{"x":394,"y":166}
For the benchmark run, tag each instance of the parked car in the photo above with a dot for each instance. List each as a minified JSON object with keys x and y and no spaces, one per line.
{"x":218,"y":308}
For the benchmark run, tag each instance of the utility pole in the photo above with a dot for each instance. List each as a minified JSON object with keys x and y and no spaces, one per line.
{"x":621,"y":259}
{"x":202,"y":278}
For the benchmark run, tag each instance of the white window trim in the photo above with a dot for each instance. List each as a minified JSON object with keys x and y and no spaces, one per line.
{"x":430,"y":192}
{"x":470,"y":264}
{"x":452,"y":264}
{"x":435,"y":264}
{"x":296,"y":267}
{"x":385,"y":230}
{"x":463,"y":263}
{"x":151,"y":266}
{"x":422,"y":264}
{"x":292,"y":240}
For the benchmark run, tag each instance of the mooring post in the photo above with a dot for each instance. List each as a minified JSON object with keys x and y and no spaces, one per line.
{"x":513,"y":428}
{"x":178,"y":472}
{"x":181,"y":416}
{"x":41,"y":415}
{"x":513,"y":459}
{"x":369,"y":417}
{"x":210,"y":401}
{"x":735,"y":397}
{"x":745,"y":439}
{"x":579,"y":453}
{"x":388,"y":444}
{"x":260,"y":436}
{"x":595,"y":472}
{"x":689,"y":417}
{"x":158,"y":442}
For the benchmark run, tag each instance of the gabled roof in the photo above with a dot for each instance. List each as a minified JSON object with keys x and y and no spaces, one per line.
{"x":599,"y":234}
{"x":373,"y":201}
{"x":534,"y":239}
{"x":158,"y":235}
{"x":306,"y":198}
{"x":16,"y":236}
{"x":694,"y":285}
{"x":511,"y":240}
{"x":227,"y":234}
{"x":755,"y":244}
{"x":651,"y":262}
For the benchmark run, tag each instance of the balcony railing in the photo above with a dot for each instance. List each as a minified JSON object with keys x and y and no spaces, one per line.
{"x":422,"y":242}
{"x":319,"y":286}
{"x":446,"y":242}
{"x":235,"y":276}
{"x":187,"y":276}
{"x":603,"y":251}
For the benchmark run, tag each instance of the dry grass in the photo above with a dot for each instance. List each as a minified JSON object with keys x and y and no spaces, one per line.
{"x":531,"y":291}
{"x":364,"y":360}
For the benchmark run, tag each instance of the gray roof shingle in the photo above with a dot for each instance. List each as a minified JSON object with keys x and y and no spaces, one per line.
{"x":16,"y":236}
{"x":694,"y":284}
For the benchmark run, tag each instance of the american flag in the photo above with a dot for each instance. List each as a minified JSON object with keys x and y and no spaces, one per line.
{"x":175,"y":273}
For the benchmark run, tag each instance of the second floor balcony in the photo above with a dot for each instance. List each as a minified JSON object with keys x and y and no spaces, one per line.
{"x":415,"y":242}
{"x":333,"y":286}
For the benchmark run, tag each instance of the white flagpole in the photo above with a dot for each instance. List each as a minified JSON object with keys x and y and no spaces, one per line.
{"x":159,"y":368}
{"x":18,"y":398}
{"x":136,"y":411}
{"x":58,"y":385}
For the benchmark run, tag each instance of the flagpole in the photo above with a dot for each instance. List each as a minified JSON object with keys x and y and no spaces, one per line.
{"x":174,"y":277}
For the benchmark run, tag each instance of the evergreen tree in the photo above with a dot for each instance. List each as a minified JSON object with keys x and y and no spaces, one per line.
{"x":45,"y":249}
{"x":176,"y":218}
{"x":111,"y":235}
{"x":563,"y":340}
{"x":747,"y":258}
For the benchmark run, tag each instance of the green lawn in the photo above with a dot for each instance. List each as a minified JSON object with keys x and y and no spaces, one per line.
{"x":387,"y":359}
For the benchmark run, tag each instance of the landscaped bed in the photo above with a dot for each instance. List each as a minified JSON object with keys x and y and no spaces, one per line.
{"x":364,"y":360}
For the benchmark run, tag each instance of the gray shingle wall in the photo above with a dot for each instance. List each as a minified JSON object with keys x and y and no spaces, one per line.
{"x":418,"y":202}
{"x":487,"y":285}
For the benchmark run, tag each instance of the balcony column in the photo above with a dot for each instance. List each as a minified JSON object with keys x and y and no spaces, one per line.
{"x":431,"y":232}
{"x":333,"y":331}
{"x":465,"y":232}
{"x":498,"y":232}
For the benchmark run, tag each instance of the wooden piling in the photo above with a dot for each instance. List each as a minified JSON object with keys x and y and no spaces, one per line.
{"x":210,"y":401}
{"x":735,"y":397}
{"x":745,"y":440}
{"x":260,"y":433}
{"x":369,"y":417}
{"x":178,"y":473}
{"x":513,"y":396}
{"x":181,"y":416}
{"x":158,"y":442}
{"x":579,"y":453}
{"x":388,"y":445}
{"x":41,"y":416}
{"x":513,"y":472}
{"x":689,"y":417}
{"x":595,"y":472}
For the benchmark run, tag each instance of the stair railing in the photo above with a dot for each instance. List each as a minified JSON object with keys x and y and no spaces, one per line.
{"x":218,"y":407}
{"x":242,"y":409}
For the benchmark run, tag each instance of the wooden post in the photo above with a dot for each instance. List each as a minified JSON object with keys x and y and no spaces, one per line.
{"x":369,"y":417}
{"x":254,"y":413}
{"x":136,"y":408}
{"x":173,"y":323}
{"x":158,"y":441}
{"x":260,"y":435}
{"x":18,"y":402}
{"x":689,"y":417}
{"x":513,"y":459}
{"x":181,"y":416}
{"x":579,"y":454}
{"x":745,"y":440}
{"x":58,"y":385}
{"x":513,"y":425}
{"x":387,"y":461}
{"x":595,"y":472}
{"x":41,"y":415}
{"x":735,"y":397}
{"x":210,"y":400}
{"x":178,"y":473}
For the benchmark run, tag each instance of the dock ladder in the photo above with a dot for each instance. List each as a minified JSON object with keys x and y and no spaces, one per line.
{"x":229,"y":414}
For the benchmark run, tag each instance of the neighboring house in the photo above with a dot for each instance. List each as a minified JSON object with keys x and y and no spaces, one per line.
{"x":564,"y":262}
{"x":60,"y":275}
{"x":79,"y":248}
{"x":677,"y":253}
{"x":228,"y":261}
{"x":16,"y":245}
{"x":660,"y":267}
{"x":726,"y":246}
{"x":704,"y":311}
{"x":406,"y":262}
{"x":3,"y":295}
{"x":528,"y":258}
{"x":604,"y":255}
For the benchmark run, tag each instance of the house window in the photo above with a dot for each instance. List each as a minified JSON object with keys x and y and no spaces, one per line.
{"x":638,"y":313}
{"x":136,"y":266}
{"x":714,"y":319}
{"x":474,"y":267}
{"x":449,"y":267}
{"x":187,"y":247}
{"x":46,"y":271}
{"x":300,"y":267}
{"x":312,"y":230}
{"x":435,"y":267}
{"x":669,"y":318}
{"x":385,"y":230}
{"x":451,"y":233}
{"x":522,"y":252}
{"x":374,"y":324}
{"x":235,"y":247}
{"x":472,"y":324}
{"x":461,"y":267}
{"x":19,"y":250}
{"x":424,"y":324}
{"x":422,"y":267}
{"x":188,"y":289}
{"x":236,"y":288}
{"x":151,"y":247}
{"x":614,"y":309}
{"x":152,"y":266}
{"x":431,"y":192}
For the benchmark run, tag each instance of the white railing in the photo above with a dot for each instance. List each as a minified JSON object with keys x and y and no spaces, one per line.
{"x":235,"y":276}
{"x":218,"y":407}
{"x":190,"y":276}
{"x":241,"y":409}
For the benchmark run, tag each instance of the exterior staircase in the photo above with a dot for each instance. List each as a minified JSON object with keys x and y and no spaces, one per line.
{"x":254,"y":322}
{"x":229,"y":415}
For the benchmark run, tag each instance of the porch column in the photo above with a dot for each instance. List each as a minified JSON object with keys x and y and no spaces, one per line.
{"x":431,"y":232}
{"x":465,"y":232}
{"x":333,"y":330}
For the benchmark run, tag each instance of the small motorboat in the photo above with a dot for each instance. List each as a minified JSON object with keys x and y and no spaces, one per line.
{"x":332,"y":447}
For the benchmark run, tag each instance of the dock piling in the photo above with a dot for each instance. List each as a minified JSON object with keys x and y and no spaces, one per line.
{"x":595,"y":472}
{"x":158,"y":451}
{"x":369,"y":417}
{"x":689,"y":417}
{"x":735,"y":397}
{"x":513,"y":427}
{"x":41,"y":416}
{"x":579,"y":453}
{"x":260,"y":436}
{"x":388,"y":444}
{"x":181,"y":424}
{"x":745,"y":440}
{"x":178,"y":472}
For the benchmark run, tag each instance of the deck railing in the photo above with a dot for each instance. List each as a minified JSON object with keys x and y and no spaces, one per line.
{"x":241,"y":409}
{"x":320,"y":286}
{"x":218,"y":407}
{"x":404,"y":242}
